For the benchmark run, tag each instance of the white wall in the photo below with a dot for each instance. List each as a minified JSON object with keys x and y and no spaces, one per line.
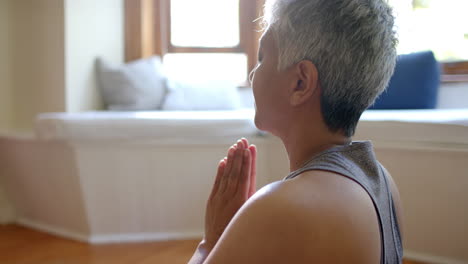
{"x":92,"y":28}
{"x":37,"y":61}
{"x":6,"y":212}
{"x":47,"y":53}
{"x":5,"y":86}
{"x":52,"y":46}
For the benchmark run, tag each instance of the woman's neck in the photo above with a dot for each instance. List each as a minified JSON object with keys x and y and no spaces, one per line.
{"x":303,"y":143}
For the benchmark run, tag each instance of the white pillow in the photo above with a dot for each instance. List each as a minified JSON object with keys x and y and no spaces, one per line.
{"x":138,"y":85}
{"x":209,"y":95}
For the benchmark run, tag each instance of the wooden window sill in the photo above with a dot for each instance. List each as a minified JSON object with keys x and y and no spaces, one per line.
{"x":455,"y":72}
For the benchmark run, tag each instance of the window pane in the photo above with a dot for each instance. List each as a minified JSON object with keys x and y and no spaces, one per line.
{"x":206,"y":66}
{"x":437,"y":25}
{"x":205,"y":23}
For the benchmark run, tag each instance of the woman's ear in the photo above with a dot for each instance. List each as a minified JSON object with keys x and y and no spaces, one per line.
{"x":306,"y":83}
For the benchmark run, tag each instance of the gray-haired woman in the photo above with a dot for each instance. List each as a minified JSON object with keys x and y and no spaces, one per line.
{"x":321,"y":64}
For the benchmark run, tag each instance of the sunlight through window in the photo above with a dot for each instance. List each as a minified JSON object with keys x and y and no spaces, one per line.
{"x":205,"y":23}
{"x":437,"y":25}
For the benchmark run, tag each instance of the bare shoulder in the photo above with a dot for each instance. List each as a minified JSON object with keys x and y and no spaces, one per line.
{"x":312,"y":218}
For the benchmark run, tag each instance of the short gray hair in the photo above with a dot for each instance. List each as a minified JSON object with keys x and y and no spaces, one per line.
{"x":351,"y":42}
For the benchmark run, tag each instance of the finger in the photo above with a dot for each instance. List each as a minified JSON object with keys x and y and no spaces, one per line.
{"x":244,"y":177}
{"x":234,"y":146}
{"x":219,"y":174}
{"x":230,"y":156}
{"x":246,"y":142}
{"x":253,"y":170}
{"x":236,"y":168}
{"x":227,"y":169}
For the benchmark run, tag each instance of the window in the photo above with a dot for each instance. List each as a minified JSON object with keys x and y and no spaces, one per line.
{"x":217,"y":39}
{"x":204,"y":23}
{"x":437,"y":25}
{"x":203,"y":39}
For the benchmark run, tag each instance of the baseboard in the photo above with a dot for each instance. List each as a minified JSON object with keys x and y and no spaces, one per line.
{"x":58,"y":231}
{"x":145,"y":237}
{"x":426,"y":258}
{"x":111,"y":238}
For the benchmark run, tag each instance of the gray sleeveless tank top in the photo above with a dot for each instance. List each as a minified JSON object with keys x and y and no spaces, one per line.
{"x":357,"y":161}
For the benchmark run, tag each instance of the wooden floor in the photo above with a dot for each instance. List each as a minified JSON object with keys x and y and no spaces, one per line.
{"x":19,"y":245}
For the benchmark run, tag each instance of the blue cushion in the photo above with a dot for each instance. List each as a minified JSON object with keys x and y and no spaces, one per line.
{"x":414,"y":85}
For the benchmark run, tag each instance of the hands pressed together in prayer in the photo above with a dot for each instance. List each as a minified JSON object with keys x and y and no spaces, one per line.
{"x":233,"y":186}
